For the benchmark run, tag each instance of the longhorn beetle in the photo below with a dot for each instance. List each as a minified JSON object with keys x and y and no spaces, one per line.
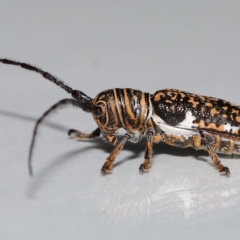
{"x":178,"y":118}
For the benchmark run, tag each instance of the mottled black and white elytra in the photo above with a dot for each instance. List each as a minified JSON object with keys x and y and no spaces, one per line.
{"x":178,"y":118}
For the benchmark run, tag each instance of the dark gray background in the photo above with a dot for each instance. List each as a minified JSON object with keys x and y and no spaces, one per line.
{"x":93,"y":46}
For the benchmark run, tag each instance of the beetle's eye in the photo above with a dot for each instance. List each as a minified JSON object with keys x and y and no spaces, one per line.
{"x":99,"y":109}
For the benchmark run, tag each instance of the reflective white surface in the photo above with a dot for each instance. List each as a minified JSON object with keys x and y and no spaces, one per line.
{"x":93,"y":46}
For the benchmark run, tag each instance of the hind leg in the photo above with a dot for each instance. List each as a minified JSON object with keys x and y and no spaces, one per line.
{"x":208,"y":143}
{"x":221,"y":168}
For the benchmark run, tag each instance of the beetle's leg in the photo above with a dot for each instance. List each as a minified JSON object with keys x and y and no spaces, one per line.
{"x":111,"y":139}
{"x":216,"y":161}
{"x":107,"y":166}
{"x":82,"y":136}
{"x":152,"y":137}
{"x":144,"y":167}
{"x":207,"y":141}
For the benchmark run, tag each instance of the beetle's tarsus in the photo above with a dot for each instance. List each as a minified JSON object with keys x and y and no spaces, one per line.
{"x":107,"y":167}
{"x":84,"y":136}
{"x":225,"y":170}
{"x":143,"y":168}
{"x":72,"y":131}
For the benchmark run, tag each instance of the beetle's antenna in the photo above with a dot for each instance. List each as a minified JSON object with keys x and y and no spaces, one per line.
{"x":82,"y":98}
{"x":38,"y":70}
{"x":61,"y":103}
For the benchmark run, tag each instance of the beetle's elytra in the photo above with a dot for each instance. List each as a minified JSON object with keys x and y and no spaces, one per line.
{"x":172,"y":116}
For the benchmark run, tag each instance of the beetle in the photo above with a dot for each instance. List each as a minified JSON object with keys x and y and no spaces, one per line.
{"x":176,"y":117}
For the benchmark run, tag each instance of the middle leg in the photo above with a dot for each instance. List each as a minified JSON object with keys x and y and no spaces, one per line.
{"x":144,"y":167}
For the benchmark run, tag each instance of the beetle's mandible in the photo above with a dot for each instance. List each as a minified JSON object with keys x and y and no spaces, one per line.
{"x":178,"y":118}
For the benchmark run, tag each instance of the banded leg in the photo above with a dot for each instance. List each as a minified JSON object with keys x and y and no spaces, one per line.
{"x":108,"y":165}
{"x":82,"y":136}
{"x":217,"y":162}
{"x":207,"y":141}
{"x":144,"y":167}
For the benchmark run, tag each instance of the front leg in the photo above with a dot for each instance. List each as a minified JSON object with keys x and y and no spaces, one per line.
{"x":83,"y":136}
{"x":118,"y":145}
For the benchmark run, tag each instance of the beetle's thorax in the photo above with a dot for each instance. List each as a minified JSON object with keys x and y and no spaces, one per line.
{"x":127,"y":108}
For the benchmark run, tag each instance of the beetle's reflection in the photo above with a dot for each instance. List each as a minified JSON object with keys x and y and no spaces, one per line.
{"x":176,"y":190}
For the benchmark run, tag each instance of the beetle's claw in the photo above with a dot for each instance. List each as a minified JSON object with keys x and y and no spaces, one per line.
{"x":143,"y":169}
{"x":72,"y":132}
{"x":225,"y":170}
{"x":106,"y":168}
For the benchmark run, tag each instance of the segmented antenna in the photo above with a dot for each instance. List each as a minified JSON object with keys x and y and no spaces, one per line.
{"x":38,"y":70}
{"x":59,"y":104}
{"x":81,"y":100}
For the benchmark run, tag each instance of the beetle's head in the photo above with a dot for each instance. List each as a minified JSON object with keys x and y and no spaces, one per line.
{"x":102,"y":107}
{"x":104,"y":111}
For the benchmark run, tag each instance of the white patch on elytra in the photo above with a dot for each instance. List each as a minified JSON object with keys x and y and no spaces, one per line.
{"x":228,"y":128}
{"x":185,"y":128}
{"x":188,"y":121}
